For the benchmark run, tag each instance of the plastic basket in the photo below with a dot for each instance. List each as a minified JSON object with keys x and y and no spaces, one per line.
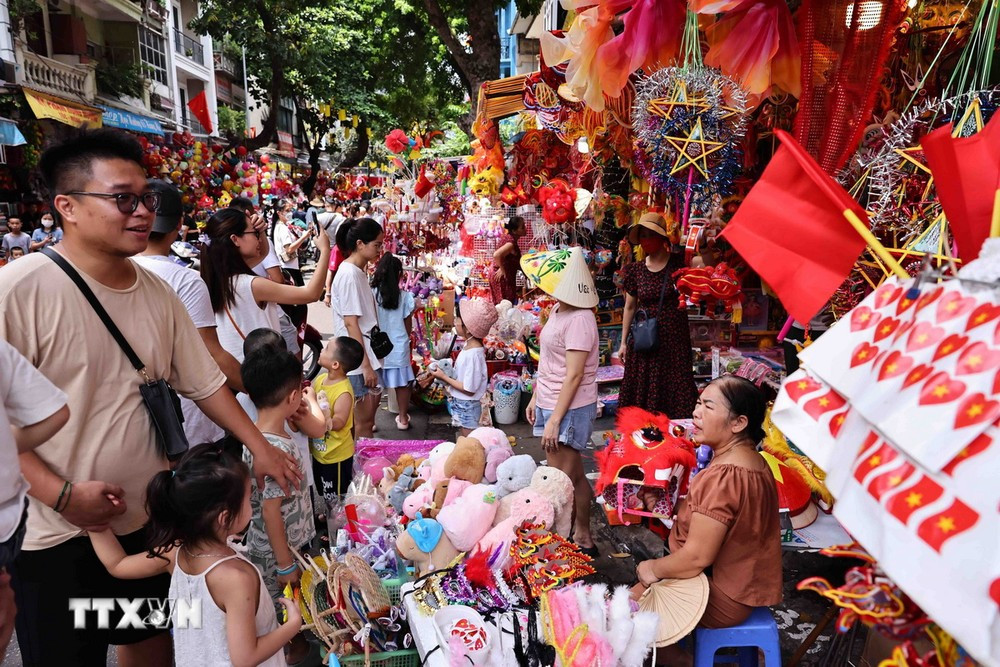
{"x":406,"y":658}
{"x":391,"y":587}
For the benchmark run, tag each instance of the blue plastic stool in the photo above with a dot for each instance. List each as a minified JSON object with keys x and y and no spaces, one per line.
{"x":759,"y":631}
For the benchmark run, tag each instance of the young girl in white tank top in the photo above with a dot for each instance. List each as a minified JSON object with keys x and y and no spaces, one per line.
{"x":192,"y":511}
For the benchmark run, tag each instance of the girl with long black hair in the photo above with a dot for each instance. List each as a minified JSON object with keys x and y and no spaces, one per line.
{"x":395,"y":307}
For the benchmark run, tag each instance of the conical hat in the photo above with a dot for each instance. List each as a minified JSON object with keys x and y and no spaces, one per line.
{"x":562,"y":274}
{"x":679,"y":603}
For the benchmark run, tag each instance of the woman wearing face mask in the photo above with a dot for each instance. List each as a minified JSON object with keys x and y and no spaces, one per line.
{"x":660,"y":379}
{"x":47,"y":233}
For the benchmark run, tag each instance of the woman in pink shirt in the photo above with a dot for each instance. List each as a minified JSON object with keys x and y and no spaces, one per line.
{"x":564,"y":405}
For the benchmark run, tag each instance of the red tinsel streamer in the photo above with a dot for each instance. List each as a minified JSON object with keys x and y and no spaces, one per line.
{"x":845,"y":45}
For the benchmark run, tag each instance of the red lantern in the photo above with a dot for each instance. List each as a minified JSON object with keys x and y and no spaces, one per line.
{"x":241,"y":150}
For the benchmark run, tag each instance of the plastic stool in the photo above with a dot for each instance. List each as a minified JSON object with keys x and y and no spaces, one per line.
{"x":758,"y":631}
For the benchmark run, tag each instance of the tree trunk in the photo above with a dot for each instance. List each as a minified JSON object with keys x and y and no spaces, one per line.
{"x":353,"y":157}
{"x":269,"y":132}
{"x":314,"y":152}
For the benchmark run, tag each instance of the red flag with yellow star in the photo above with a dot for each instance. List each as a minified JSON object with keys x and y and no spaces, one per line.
{"x":941,"y":527}
{"x":791,"y":229}
{"x":902,"y":505}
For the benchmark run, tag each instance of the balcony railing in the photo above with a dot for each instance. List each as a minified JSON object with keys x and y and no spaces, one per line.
{"x":55,"y":77}
{"x":192,"y":123}
{"x":224,"y":64}
{"x":188,"y":46}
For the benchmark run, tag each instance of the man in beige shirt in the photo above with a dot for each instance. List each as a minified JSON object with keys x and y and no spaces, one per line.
{"x":92,"y":475}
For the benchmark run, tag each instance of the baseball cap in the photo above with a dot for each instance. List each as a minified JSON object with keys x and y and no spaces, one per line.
{"x":171,"y":208}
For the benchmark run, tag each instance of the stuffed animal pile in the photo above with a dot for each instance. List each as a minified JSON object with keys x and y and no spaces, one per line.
{"x":473,"y":493}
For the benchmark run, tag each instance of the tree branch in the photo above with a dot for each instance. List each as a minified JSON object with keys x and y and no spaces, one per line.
{"x":464,"y":63}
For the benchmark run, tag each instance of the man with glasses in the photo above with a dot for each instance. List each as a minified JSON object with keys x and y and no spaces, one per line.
{"x":92,"y":475}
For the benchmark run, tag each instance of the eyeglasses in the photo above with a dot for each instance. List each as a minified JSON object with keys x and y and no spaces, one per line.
{"x":255,"y":232}
{"x":127,"y":202}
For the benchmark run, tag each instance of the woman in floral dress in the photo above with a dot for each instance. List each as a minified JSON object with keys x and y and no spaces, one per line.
{"x":661,"y":379}
{"x":506,"y":260}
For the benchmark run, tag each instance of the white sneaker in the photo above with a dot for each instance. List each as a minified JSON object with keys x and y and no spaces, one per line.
{"x":402,"y":426}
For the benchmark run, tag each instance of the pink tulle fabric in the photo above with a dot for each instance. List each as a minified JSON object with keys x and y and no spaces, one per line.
{"x":579,"y":46}
{"x":651,"y":37}
{"x":755,"y":43}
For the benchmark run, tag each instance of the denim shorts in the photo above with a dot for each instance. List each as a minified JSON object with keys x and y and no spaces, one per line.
{"x":358,"y":385}
{"x":574,"y":429}
{"x":465,"y":414}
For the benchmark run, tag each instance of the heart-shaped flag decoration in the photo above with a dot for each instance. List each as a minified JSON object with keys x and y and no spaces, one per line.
{"x":918,"y":374}
{"x":863,"y":317}
{"x":864,"y":354}
{"x":886,"y":294}
{"x":886,"y":327}
{"x":952,"y":305}
{"x":928,"y":298}
{"x":976,"y":409}
{"x":904,"y":304}
{"x":837,"y":422}
{"x":977,"y":358}
{"x":950,"y":345}
{"x":996,"y":384}
{"x":901,"y":331}
{"x":983,"y":313}
{"x":923,"y":335}
{"x":896,"y":363}
{"x":939,"y":389}
{"x":797,"y":388}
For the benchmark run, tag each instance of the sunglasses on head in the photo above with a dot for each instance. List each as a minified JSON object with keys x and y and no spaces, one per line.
{"x":127,"y":202}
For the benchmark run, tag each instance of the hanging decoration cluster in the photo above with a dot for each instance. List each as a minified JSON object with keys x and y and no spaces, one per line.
{"x":688,"y":124}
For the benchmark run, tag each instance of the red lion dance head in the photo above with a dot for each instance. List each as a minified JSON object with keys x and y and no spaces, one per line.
{"x":647,"y":455}
{"x":558,"y":202}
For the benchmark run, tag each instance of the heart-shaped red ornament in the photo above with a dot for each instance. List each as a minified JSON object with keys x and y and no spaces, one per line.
{"x":896,"y":363}
{"x":927,"y":299}
{"x":863,"y":317}
{"x":886,"y":327}
{"x":886,"y":294}
{"x":864,"y":354}
{"x":918,"y":374}
{"x":952,"y":305}
{"x":976,"y":409}
{"x":923,"y":335}
{"x":983,"y":313}
{"x":977,"y":358}
{"x":901,"y":331}
{"x":941,"y":389}
{"x":950,"y":345}
{"x":904,"y":304}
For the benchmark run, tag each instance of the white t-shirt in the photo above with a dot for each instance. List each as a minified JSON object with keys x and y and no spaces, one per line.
{"x":193,"y":293}
{"x":352,"y":295}
{"x":470,"y":370}
{"x":246,"y":314}
{"x":283,"y":237}
{"x":26,"y":397}
{"x":269,"y":262}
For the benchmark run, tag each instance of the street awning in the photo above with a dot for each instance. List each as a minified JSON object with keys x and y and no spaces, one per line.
{"x":127,"y":120}
{"x":10,"y":135}
{"x":62,"y":110}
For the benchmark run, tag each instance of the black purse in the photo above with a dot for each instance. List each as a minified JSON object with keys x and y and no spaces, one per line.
{"x":380,"y":343}
{"x":644,"y":331}
{"x":161,"y":400}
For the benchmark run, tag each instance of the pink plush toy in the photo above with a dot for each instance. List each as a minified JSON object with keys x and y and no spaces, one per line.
{"x":497,"y":448}
{"x":526,"y":505}
{"x":557,"y":487}
{"x":470,"y":516}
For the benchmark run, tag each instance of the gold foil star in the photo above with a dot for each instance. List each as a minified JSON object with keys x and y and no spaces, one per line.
{"x":693,"y":150}
{"x":664,"y":107}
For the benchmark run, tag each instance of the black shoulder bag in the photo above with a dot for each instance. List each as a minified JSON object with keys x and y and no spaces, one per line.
{"x":644,"y":331}
{"x":161,"y":400}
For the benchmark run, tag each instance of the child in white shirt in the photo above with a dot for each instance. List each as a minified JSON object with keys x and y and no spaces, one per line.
{"x":476,"y":318}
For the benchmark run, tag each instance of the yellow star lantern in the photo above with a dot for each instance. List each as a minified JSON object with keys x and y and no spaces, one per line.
{"x":693,"y":150}
{"x":664,"y":107}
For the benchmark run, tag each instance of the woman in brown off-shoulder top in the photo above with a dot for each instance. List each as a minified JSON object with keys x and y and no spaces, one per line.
{"x":727,"y":526}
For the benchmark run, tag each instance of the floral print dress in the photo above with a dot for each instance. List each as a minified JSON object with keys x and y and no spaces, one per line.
{"x":662,"y":379}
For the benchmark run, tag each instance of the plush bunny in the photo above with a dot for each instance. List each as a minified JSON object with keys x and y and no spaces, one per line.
{"x":526,"y":505}
{"x":401,"y":489}
{"x":425,"y":543}
{"x":514,"y":474}
{"x":466,"y":520}
{"x":557,"y":487}
{"x":497,"y":448}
